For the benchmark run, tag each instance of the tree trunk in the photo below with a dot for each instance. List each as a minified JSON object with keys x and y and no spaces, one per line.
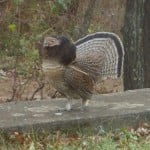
{"x":146,"y":37}
{"x":133,"y":43}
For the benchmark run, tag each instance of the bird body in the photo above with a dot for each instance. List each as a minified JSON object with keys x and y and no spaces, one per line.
{"x":73,"y":68}
{"x":70,"y":81}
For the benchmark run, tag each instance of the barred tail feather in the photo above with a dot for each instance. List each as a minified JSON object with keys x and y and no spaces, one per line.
{"x":101,"y":53}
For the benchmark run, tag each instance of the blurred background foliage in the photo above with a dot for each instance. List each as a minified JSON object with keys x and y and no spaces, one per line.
{"x":23,"y":23}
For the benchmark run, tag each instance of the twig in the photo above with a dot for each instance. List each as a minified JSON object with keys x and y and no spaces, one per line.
{"x":54,"y":95}
{"x":41,"y":86}
{"x":14,"y":87}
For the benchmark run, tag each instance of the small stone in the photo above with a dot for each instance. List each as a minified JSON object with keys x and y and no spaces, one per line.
{"x":58,"y":113}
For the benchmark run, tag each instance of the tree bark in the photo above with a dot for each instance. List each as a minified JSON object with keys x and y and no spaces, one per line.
{"x":133,"y":43}
{"x":146,"y":37}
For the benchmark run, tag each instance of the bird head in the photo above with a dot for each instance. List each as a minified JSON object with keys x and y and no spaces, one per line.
{"x":50,"y":42}
{"x":59,"y":49}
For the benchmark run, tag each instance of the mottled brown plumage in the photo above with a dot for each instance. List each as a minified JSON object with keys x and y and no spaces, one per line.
{"x":73,"y":69}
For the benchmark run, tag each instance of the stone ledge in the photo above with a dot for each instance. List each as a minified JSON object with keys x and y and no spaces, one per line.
{"x":111,"y":111}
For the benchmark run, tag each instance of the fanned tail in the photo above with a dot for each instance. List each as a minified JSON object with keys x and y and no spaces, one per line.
{"x":100,"y":54}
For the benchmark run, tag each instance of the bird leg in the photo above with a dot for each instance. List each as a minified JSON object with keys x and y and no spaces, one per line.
{"x":68,"y":105}
{"x":84,"y":104}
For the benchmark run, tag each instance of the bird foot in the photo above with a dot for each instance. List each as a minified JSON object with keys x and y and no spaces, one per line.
{"x":68,"y":106}
{"x":84,"y":105}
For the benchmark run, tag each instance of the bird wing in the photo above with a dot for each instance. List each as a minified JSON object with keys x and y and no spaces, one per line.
{"x":80,"y":82}
{"x":100,"y":54}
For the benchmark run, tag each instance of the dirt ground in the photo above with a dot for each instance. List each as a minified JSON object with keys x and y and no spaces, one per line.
{"x":26,"y":91}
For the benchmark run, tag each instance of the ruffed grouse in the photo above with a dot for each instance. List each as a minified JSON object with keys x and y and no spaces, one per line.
{"x":73,"y":68}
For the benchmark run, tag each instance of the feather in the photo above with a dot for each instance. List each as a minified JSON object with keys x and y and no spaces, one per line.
{"x":100,"y":54}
